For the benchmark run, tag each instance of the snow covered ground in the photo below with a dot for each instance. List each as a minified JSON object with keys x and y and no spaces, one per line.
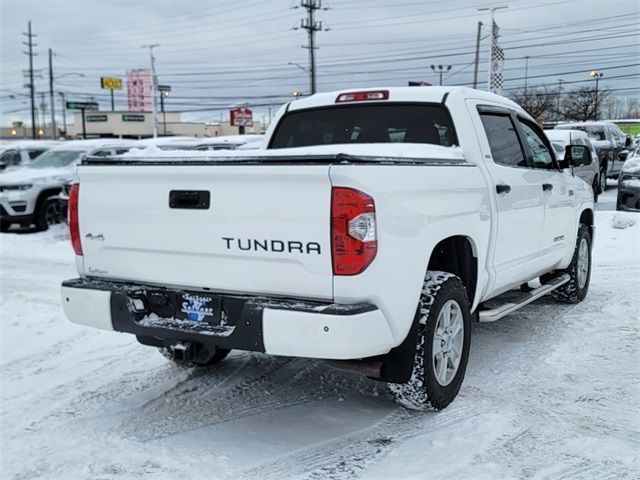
{"x":551,"y":392}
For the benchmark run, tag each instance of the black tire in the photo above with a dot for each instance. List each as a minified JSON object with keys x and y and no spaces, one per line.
{"x":596,"y":189}
{"x":424,"y":391}
{"x":49,"y":213}
{"x":602,"y":180}
{"x":574,"y":291}
{"x":219,"y":355}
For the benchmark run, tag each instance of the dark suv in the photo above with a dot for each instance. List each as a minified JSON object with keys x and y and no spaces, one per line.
{"x":611,"y":144}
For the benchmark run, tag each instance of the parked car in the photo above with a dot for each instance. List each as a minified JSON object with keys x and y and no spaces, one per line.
{"x":18,"y":153}
{"x":31,"y":195}
{"x":227,"y":142}
{"x":590,"y":172}
{"x":609,"y":141}
{"x":376,"y":226}
{"x":629,"y":184}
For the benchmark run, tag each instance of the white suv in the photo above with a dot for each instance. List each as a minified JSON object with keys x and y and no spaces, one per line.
{"x":31,"y":195}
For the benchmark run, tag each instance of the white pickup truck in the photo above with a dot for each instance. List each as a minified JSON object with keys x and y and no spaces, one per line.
{"x":371,"y":230}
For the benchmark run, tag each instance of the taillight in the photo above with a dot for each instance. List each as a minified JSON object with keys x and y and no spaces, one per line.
{"x":74,"y":220}
{"x":353,"y":231}
{"x":363,"y":96}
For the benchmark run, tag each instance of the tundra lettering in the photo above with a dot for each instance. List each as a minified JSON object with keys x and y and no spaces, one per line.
{"x":277,"y":246}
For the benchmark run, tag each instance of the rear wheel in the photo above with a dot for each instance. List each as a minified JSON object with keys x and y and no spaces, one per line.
{"x":442,"y":349}
{"x":602,"y":179}
{"x":49,"y":213}
{"x":575,"y":290}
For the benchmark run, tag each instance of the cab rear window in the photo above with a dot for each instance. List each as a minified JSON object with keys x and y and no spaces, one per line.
{"x":354,"y":124}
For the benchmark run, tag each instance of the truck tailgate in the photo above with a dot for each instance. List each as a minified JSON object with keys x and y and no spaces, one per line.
{"x":264,"y":231}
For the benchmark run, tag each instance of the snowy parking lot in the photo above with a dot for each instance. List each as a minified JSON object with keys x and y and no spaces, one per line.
{"x":551,"y":392}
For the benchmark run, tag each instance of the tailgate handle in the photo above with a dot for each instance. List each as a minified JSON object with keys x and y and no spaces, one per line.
{"x":190,"y":199}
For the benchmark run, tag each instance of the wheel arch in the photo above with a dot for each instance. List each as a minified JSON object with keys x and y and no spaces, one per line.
{"x":43,"y":195}
{"x":457,"y":254}
{"x":587,"y":218}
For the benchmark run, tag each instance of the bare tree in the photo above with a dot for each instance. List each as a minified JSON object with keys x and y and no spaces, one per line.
{"x":538,"y":102}
{"x":580,"y":104}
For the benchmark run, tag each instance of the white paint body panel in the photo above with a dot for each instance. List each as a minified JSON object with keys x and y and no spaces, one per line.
{"x":87,"y":307}
{"x":318,"y":335}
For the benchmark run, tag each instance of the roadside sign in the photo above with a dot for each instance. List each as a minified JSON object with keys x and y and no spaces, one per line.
{"x":92,"y":106}
{"x":111,"y":83}
{"x":96,"y":118}
{"x":132,"y":117}
{"x":241,"y":117}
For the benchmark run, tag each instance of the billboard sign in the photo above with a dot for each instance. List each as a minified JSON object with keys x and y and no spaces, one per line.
{"x":92,"y":106}
{"x":241,"y":117}
{"x":111,"y":83}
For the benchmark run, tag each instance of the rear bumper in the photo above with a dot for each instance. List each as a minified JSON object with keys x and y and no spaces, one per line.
{"x":262,"y":324}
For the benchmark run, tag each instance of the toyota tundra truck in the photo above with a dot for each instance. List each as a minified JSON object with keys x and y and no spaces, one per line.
{"x":370,"y":231}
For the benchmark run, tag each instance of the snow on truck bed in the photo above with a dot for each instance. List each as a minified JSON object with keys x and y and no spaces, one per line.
{"x":376,"y":150}
{"x":551,"y":392}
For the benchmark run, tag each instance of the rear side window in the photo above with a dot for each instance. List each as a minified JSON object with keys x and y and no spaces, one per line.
{"x":503,"y":140}
{"x":35,"y":153}
{"x":353,"y":124}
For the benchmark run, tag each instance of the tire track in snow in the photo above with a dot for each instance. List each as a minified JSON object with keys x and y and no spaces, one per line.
{"x":350,"y":455}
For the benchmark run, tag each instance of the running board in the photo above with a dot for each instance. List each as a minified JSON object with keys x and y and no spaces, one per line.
{"x":524,"y":299}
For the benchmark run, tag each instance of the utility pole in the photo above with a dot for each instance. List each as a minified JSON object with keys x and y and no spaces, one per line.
{"x":311,"y":26}
{"x":29,"y":43}
{"x":43,"y":110}
{"x":54,"y":132}
{"x":477,"y":59}
{"x":64,"y":113}
{"x":154,"y":88}
{"x":597,"y":76}
{"x":560,"y":81}
{"x":492,"y":38}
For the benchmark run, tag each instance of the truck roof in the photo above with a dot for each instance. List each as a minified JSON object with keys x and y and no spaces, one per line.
{"x":405,"y":94}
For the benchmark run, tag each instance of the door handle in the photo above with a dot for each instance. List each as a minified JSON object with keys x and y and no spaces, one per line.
{"x":547,"y":187}
{"x":189,"y":199}
{"x":503,"y":188}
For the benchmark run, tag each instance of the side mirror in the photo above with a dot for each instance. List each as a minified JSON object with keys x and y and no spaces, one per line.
{"x":576,"y":156}
{"x":627,"y":142}
{"x":622,"y":156}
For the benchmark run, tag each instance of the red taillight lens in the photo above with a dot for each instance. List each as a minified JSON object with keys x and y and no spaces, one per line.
{"x":74,"y":220}
{"x":363,"y":96}
{"x":353,"y":231}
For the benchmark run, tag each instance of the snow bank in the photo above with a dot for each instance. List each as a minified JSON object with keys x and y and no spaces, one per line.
{"x":623,"y":220}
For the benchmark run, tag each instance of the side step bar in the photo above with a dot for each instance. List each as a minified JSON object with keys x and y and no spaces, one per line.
{"x":522,"y":300}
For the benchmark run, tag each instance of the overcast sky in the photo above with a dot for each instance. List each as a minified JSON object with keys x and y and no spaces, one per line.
{"x":217,"y":53}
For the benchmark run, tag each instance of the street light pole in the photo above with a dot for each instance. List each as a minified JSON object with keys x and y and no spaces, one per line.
{"x":154,"y":86}
{"x":597,"y":76}
{"x":440,"y":69}
{"x":526,"y":73}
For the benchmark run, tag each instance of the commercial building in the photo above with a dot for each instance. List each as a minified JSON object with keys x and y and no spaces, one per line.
{"x":140,"y":125}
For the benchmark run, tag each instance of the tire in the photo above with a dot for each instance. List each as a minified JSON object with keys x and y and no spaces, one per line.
{"x":596,"y":189}
{"x":602,"y":180}
{"x":429,"y":388}
{"x":49,"y":213}
{"x":219,"y":355}
{"x":575,"y":290}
